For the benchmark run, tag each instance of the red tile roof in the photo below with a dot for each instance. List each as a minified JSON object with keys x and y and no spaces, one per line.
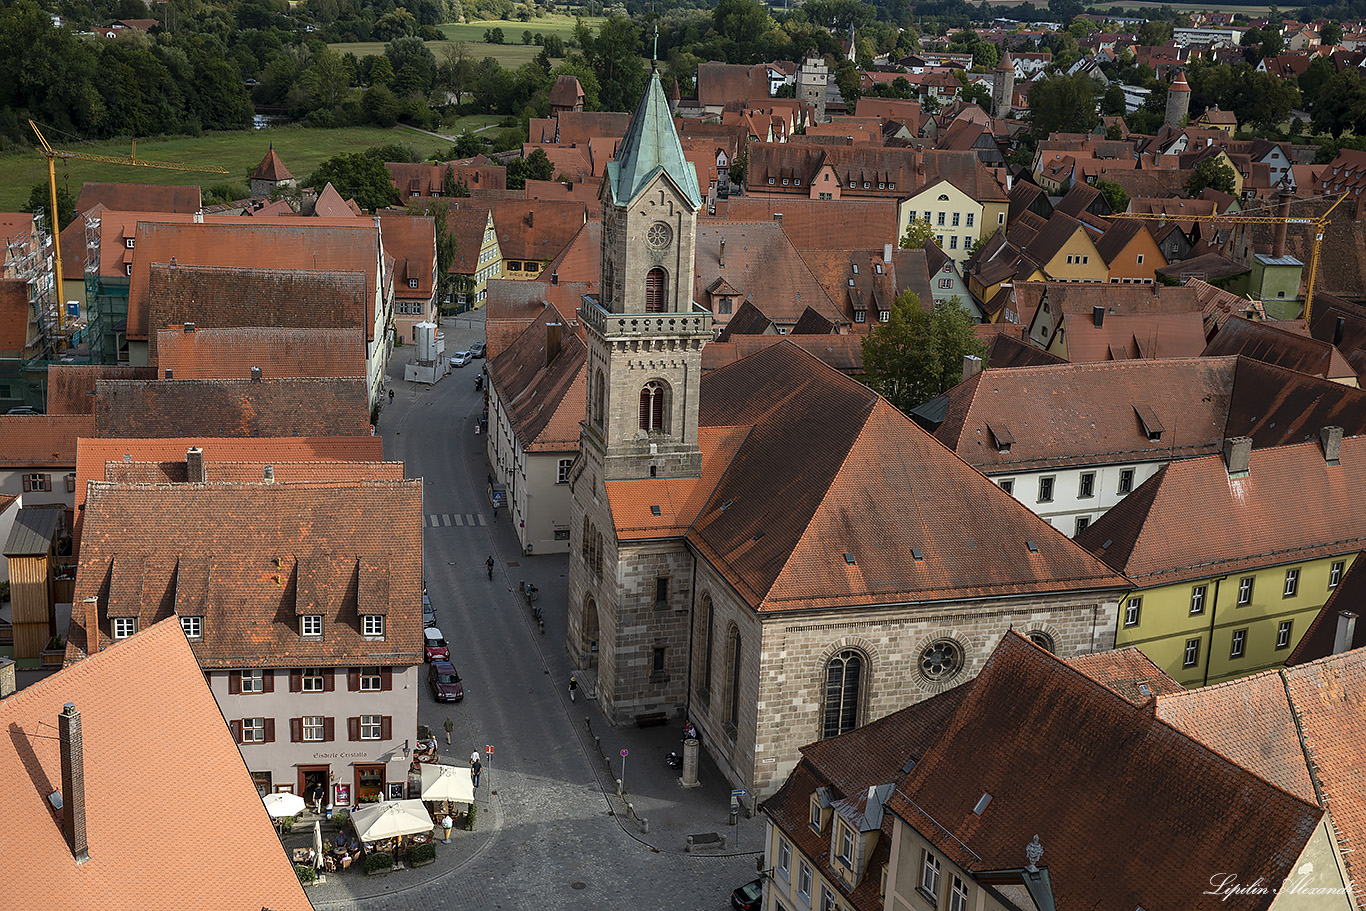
{"x":1147,"y":336}
{"x":1128,"y":672}
{"x":14,"y":316}
{"x":1192,"y":521}
{"x":536,"y":229}
{"x":271,"y":168}
{"x":1319,"y":640}
{"x":231,"y":353}
{"x":138,"y":197}
{"x":71,"y":387}
{"x":268,"y":408}
{"x":1120,"y":792}
{"x":42,"y":440}
{"x":249,"y":557}
{"x":1266,"y":342}
{"x":543,"y":387}
{"x":824,"y":224}
{"x":143,"y":698}
{"x":763,"y":266}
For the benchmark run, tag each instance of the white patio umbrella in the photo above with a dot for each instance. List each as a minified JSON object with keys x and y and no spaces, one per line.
{"x":391,"y":818}
{"x":445,"y":782}
{"x":317,"y":845}
{"x":280,"y":805}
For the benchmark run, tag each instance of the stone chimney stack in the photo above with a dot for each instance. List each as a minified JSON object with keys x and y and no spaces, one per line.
{"x":194,"y":465}
{"x":972,"y":365}
{"x":1282,"y":226}
{"x":1331,"y":438}
{"x":552,"y":342}
{"x":1238,"y":456}
{"x":721,"y":254}
{"x":73,"y":781}
{"x":1346,"y":632}
{"x":92,"y":625}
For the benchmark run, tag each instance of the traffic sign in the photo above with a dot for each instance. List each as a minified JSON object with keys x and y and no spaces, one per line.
{"x":623,"y":754}
{"x":489,"y":749}
{"x":740,"y":793}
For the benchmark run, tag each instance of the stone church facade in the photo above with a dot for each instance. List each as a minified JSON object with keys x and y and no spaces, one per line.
{"x":775,"y":552}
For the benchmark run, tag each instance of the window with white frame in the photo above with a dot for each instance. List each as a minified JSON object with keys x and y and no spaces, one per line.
{"x":1245,"y":590}
{"x":1335,"y":573}
{"x":1198,"y":600}
{"x":939,"y":218}
{"x":1000,"y":218}
{"x":123,"y":627}
{"x":311,"y":625}
{"x":1140,"y":259}
{"x":1292,"y":582}
{"x":372,"y":625}
{"x":193,"y":627}
{"x":1126,"y":480}
{"x":971,"y":215}
{"x":828,"y":900}
{"x":955,"y":220}
{"x":929,"y":877}
{"x":37,"y":482}
{"x":1192,"y":653}
{"x":958,"y":895}
{"x":370,"y":727}
{"x":314,"y":727}
{"x":253,"y":730}
{"x":1283,"y":634}
{"x":846,"y":845}
{"x":803,"y":881}
{"x":562,"y":471}
{"x":312,"y":680}
{"x":815,"y":814}
{"x":370,"y":680}
{"x":1046,"y":489}
{"x":1133,"y":610}
{"x":254,"y":681}
{"x":412,"y":283}
{"x":784,"y":860}
{"x":1239,"y":646}
{"x":1087,"y":485}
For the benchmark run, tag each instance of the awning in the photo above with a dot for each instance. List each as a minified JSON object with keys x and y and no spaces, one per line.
{"x":390,"y":819}
{"x":444,"y":782}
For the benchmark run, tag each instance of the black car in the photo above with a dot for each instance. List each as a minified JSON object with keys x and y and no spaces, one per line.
{"x":479,"y":349}
{"x":428,"y":612}
{"x":749,"y":896}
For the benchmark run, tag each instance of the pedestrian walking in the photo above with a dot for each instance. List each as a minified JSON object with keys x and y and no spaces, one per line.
{"x":391,"y":395}
{"x":573,"y":688}
{"x":318,"y":799}
{"x":475,"y":768}
{"x":450,"y":728}
{"x":446,"y":825}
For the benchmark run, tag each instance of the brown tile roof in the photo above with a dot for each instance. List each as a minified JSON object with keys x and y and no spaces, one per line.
{"x":1117,"y":237}
{"x":1266,"y":342}
{"x":566,"y":92}
{"x":231,"y":353}
{"x":425,"y":178}
{"x":1077,"y":299}
{"x":1191,"y":521}
{"x":747,"y":320}
{"x":580,"y":262}
{"x":41,"y":440}
{"x":679,"y":499}
{"x":1128,"y":672}
{"x":843,"y":352}
{"x":584,"y":127}
{"x":143,"y":698}
{"x":268,"y":408}
{"x":719,"y":84}
{"x":1342,"y":256}
{"x":820,"y":224}
{"x":1087,"y":414}
{"x":542,"y":382}
{"x":1145,"y":335}
{"x":271,"y":168}
{"x":574,"y":162}
{"x":1006,"y":350}
{"x":762,"y":264}
{"x":1321,"y":636}
{"x":584,"y":191}
{"x":411,"y":241}
{"x":242,"y":298}
{"x":138,"y":197}
{"x":15,"y":225}
{"x":255,"y":556}
{"x":330,"y":204}
{"x":71,"y":387}
{"x":1149,"y":182}
{"x":1028,"y":710}
{"x":14,"y":316}
{"x":875,"y":486}
{"x":304,"y":246}
{"x":1205,"y":267}
{"x":536,"y":229}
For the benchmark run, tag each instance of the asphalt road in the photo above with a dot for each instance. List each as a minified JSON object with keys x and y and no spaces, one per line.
{"x":555,"y":842}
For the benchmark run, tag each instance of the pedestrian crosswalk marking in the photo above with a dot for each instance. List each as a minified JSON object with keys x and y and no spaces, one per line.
{"x":459,"y":519}
{"x":435,"y":519}
{"x":470,"y":519}
{"x":447,"y":519}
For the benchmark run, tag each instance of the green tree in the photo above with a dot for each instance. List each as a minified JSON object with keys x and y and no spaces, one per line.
{"x":1341,"y":104}
{"x":358,"y":175}
{"x":1114,"y":195}
{"x":1155,"y":32}
{"x":380,"y":106}
{"x":977,"y":94}
{"x":614,"y":54}
{"x":40,"y":197}
{"x":536,"y":166}
{"x":918,"y":354}
{"x":411,"y":52}
{"x":1112,"y":104}
{"x":454,"y":187}
{"x":1062,"y":104}
{"x":1213,"y":173}
{"x":1331,"y":34}
{"x":440,"y":210}
{"x":917,"y":233}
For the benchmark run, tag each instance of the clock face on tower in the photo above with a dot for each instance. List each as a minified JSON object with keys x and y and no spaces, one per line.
{"x":659,"y":235}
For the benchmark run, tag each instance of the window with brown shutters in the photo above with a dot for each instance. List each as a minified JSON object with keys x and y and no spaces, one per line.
{"x":270,"y":730}
{"x":652,"y":407}
{"x":37,"y":482}
{"x":236,"y":728}
{"x":386,"y":678}
{"x":296,"y":730}
{"x":329,"y":731}
{"x":329,"y":679}
{"x":353,"y":728}
{"x":234,"y":684}
{"x":296,"y":680}
{"x":353,"y":680}
{"x":654,"y":291}
{"x":386,"y":727}
{"x":268,"y":682}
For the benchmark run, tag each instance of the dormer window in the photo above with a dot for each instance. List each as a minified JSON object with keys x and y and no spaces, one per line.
{"x":372,"y":626}
{"x":128,"y":243}
{"x":796,"y":181}
{"x":193,"y":627}
{"x":412,"y":284}
{"x":860,"y":316}
{"x":311,"y":626}
{"x":815,"y":813}
{"x":771,"y":181}
{"x":845,"y":852}
{"x":123,"y":627}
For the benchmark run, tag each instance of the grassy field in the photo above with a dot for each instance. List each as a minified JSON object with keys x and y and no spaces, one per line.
{"x":301,"y":148}
{"x":510,"y":54}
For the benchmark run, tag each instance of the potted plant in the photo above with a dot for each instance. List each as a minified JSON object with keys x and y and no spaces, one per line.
{"x":54,"y":653}
{"x":306,"y":873}
{"x":421,"y":855}
{"x":469,"y":818}
{"x":378,"y":862}
{"x":287,"y":824}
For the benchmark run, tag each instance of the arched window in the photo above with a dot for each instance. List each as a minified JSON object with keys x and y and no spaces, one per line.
{"x":597,"y":553}
{"x":733,"y":702}
{"x":843,"y":677}
{"x":652,"y":410}
{"x":709,"y":625}
{"x":586,"y":542}
{"x":599,"y":398}
{"x":654,"y":290}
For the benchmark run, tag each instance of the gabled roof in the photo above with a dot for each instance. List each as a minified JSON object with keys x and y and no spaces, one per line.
{"x":566,"y":92}
{"x":763,"y":265}
{"x":231,"y":353}
{"x":217,"y":407}
{"x":1118,"y":237}
{"x":1146,"y":335}
{"x":1027,"y":710}
{"x":843,"y":352}
{"x":824,"y":224}
{"x":535,"y":229}
{"x":330,"y":204}
{"x":138,"y":197}
{"x":1319,"y":639}
{"x":251,"y":557}
{"x":71,"y":387}
{"x":1128,"y":672}
{"x":1192,"y":521}
{"x":144,"y":698}
{"x":874,"y":486}
{"x":411,"y":241}
{"x":651,"y":145}
{"x":1266,"y":342}
{"x":1005,"y":350}
{"x":542,"y":383}
{"x":747,"y":320}
{"x":41,"y":440}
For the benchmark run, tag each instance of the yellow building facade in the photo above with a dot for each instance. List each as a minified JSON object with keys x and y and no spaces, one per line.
{"x":1219,"y":627}
{"x":1077,"y":260}
{"x":957,"y":219}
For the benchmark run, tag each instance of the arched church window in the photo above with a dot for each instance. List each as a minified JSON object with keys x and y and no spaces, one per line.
{"x":599,"y":398}
{"x":733,"y":703}
{"x":652,"y":410}
{"x":843,"y":679}
{"x":654,"y":290}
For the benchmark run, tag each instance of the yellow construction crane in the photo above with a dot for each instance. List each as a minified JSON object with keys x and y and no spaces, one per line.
{"x":51,"y":154}
{"x":1282,"y":220}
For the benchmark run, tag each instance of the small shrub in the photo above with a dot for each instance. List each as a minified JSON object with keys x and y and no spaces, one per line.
{"x":306,"y":873}
{"x":340,"y":818}
{"x":469,"y":818}
{"x":378,"y":862}
{"x":287,"y":824}
{"x":422,"y":854}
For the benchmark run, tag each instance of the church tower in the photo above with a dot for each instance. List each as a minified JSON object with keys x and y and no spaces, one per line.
{"x":812,"y":77}
{"x":628,"y":600}
{"x":645,"y":334}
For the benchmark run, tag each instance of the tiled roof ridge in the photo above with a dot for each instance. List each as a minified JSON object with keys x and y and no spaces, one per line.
{"x":96,"y":485}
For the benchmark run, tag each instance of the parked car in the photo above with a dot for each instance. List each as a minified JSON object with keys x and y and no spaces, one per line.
{"x":748,"y":897}
{"x":24,"y":409}
{"x":461,"y":358}
{"x":445,"y":682}
{"x":428,"y":612}
{"x":434,"y":646}
{"x":479,"y":349}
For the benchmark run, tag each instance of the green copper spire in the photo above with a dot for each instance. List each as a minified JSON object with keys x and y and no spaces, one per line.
{"x":650,"y":145}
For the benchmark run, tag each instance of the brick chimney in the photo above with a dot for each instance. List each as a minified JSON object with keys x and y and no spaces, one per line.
{"x":1237,"y":456}
{"x":777,"y":216}
{"x":1331,"y":438}
{"x":92,"y":625}
{"x":721,"y":255}
{"x":73,"y":781}
{"x":1346,"y":632}
{"x":1282,"y":226}
{"x":194,"y":465}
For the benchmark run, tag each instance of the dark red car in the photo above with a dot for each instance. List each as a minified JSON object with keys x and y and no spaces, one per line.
{"x":445,"y":682}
